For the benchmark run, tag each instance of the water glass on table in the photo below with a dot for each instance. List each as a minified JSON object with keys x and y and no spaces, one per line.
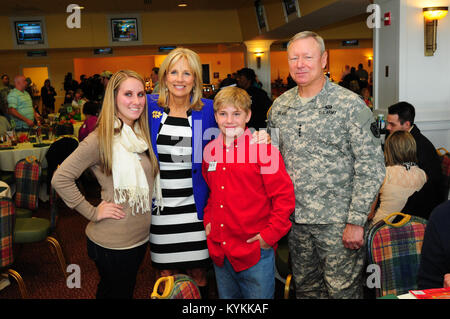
{"x":4,"y":140}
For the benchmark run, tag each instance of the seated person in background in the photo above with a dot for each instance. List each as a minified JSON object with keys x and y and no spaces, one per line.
{"x":401,"y":117}
{"x":434,"y":270}
{"x":365,"y":95}
{"x":78,"y":99}
{"x":257,"y":194}
{"x":403,"y":176}
{"x":90,"y":110}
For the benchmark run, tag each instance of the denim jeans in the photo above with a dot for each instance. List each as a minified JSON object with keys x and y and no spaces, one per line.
{"x":117,"y":270}
{"x":256,"y":282}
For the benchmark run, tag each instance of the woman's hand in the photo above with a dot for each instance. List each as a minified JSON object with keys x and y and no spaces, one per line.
{"x":261,"y":137}
{"x":208,"y":229}
{"x":109,"y":210}
{"x":262,"y":243}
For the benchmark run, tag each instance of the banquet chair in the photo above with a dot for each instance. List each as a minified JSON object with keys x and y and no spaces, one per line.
{"x":56,"y":154}
{"x":27,"y":173}
{"x":283,"y":271}
{"x":7,"y":216}
{"x":396,"y":248}
{"x":24,"y":231}
{"x":32,"y":230}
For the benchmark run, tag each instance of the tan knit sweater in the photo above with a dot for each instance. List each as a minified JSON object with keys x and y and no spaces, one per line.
{"x":129,"y":232}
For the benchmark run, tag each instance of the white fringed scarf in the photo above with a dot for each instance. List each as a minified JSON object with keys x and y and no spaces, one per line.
{"x":130,"y":182}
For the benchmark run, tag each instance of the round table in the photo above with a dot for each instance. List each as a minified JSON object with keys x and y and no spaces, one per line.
{"x":9,"y":158}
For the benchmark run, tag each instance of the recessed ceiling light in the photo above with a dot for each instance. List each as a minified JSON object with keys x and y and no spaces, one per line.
{"x":182,"y":4}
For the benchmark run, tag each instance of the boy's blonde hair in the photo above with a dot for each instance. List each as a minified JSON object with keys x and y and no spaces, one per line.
{"x":234,"y":96}
{"x":400,"y":147}
{"x":105,"y":125}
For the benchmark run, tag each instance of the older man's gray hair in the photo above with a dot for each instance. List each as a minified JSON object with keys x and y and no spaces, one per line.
{"x":308,"y":34}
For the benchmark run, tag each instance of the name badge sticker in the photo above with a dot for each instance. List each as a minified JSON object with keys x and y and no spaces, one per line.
{"x":212,"y":166}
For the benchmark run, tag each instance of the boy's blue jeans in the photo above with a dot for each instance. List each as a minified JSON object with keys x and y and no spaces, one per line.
{"x":256,"y":282}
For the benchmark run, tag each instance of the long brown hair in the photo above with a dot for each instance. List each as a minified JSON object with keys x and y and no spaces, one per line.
{"x":400,"y":147}
{"x":108,"y":115}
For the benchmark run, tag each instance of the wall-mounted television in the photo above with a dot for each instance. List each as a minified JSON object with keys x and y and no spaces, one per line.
{"x":124,"y":29}
{"x":29,"y":32}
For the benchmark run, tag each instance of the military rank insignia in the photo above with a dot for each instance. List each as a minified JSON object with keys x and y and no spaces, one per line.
{"x":375,"y":129}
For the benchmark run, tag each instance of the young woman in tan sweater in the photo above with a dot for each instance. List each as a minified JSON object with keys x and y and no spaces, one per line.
{"x":120,"y":155}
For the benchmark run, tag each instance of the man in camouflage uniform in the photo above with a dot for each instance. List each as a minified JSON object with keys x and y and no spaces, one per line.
{"x":334,"y":157}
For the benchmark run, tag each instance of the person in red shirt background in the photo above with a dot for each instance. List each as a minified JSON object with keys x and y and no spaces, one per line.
{"x":90,"y":110}
{"x":250,"y":202}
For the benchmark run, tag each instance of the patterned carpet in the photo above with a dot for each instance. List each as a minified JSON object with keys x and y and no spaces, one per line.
{"x":43,"y":278}
{"x":40,"y":271}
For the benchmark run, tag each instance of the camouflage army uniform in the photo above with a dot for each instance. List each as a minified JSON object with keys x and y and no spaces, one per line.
{"x":337,"y":166}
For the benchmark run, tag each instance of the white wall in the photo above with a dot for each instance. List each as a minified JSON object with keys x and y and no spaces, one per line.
{"x":423,"y":81}
{"x":427,"y":84}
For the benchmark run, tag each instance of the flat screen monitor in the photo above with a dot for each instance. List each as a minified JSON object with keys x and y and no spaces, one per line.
{"x":29,"y":32}
{"x":124,"y":29}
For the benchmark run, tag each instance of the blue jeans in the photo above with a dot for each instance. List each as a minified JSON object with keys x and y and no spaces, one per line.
{"x":256,"y":282}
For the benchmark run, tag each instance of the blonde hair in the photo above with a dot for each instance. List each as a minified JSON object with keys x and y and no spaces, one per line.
{"x":108,"y":115}
{"x":400,"y":147}
{"x":194,"y":63}
{"x":234,"y":96}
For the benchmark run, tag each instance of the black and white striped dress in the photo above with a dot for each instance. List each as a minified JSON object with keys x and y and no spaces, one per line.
{"x":177,"y":236}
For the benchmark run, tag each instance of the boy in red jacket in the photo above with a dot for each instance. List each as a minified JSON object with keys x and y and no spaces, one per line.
{"x":250,"y":202}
